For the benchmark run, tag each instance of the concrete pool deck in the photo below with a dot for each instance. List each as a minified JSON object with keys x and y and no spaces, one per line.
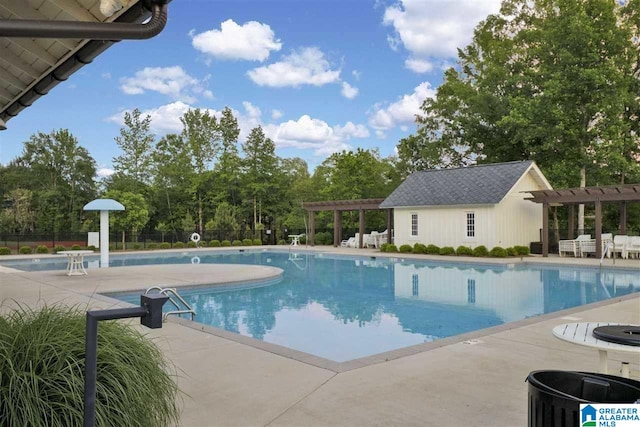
{"x":477,"y":379}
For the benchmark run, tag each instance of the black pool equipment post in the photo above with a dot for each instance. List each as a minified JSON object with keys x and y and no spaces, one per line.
{"x":150,"y":314}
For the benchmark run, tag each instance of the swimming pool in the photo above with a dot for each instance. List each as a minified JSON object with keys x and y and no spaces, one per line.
{"x":343,"y":308}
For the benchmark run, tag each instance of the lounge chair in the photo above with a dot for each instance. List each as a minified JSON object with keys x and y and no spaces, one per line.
{"x":589,"y":246}
{"x":572,"y":246}
{"x":619,"y":245}
{"x":633,"y":247}
{"x":350,"y":242}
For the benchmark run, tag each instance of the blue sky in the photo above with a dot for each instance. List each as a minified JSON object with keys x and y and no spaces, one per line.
{"x":320,"y":76}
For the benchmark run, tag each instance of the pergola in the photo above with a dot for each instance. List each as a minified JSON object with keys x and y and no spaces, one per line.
{"x":588,"y":195}
{"x":339,"y":206}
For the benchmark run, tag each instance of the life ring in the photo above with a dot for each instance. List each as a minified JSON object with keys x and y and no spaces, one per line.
{"x":195,"y":238}
{"x":195,"y":260}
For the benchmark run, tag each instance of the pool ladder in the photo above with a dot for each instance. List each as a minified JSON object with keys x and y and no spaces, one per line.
{"x":182,"y":307}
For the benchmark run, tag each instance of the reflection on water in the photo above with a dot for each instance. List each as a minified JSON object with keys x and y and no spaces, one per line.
{"x":344,"y":308}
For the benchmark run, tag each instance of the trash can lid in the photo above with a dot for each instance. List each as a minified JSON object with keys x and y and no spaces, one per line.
{"x":620,"y":334}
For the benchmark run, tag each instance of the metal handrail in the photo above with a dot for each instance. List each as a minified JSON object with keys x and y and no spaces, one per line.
{"x":172,"y":292}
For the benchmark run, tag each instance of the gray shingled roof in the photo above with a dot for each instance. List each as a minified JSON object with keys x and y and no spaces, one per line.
{"x":472,"y":185}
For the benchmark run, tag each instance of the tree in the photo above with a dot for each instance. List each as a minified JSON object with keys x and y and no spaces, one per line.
{"x":227,"y":170}
{"x":548,"y":80}
{"x":225,"y":220}
{"x":63,"y":168}
{"x":133,"y":218}
{"x":137,"y":143}
{"x":202,"y":135}
{"x":261,"y":173}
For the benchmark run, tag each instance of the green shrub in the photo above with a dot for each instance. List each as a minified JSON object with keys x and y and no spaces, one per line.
{"x":246,"y":242}
{"x":91,"y":248}
{"x":405,"y":248}
{"x":76,"y":247}
{"x":178,"y":245}
{"x":521,"y":250}
{"x":447,"y":250}
{"x":282,"y":242}
{"x":225,"y":243}
{"x":464,"y":250}
{"x":236,"y":243}
{"x":165,"y":245}
{"x":25,"y":250}
{"x":433,"y":250}
{"x":5,"y":250}
{"x":152,"y":246}
{"x":512,"y":252}
{"x":419,"y":248}
{"x":214,"y":243}
{"x":480,"y":251}
{"x":392,"y":248}
{"x":59,"y":248}
{"x":384,"y":247}
{"x":42,"y":249}
{"x":324,"y":238}
{"x":498,"y":252}
{"x":42,"y":357}
{"x":257,"y":242}
{"x":191,"y":244}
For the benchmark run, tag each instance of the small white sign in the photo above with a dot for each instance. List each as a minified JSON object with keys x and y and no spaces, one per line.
{"x":93,"y":239}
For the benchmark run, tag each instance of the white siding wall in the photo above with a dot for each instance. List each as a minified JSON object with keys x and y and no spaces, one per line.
{"x":446,"y":226}
{"x":508,"y":293}
{"x":518,"y":221}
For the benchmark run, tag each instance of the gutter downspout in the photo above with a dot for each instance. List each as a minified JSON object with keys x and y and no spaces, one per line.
{"x":87,"y":30}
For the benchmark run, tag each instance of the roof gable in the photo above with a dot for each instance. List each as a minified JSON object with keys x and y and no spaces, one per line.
{"x":472,"y":185}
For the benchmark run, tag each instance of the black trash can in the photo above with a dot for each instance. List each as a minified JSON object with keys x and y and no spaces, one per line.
{"x":555,"y":396}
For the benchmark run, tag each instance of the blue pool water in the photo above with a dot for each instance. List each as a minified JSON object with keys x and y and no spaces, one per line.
{"x":343,"y":308}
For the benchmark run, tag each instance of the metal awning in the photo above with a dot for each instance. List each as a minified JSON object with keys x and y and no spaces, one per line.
{"x":31,"y":67}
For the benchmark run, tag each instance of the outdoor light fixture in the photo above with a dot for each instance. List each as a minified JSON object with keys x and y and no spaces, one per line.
{"x":3,"y":125}
{"x":109,"y":7}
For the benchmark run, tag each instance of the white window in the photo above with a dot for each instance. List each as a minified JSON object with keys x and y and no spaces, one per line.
{"x":414,"y":224}
{"x":416,"y":286}
{"x":471,"y":224}
{"x":471,"y":291}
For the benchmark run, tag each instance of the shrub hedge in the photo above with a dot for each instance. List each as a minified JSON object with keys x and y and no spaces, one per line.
{"x":225,"y":243}
{"x":480,"y":251}
{"x":257,"y":242}
{"x":165,"y":245}
{"x":447,"y":250}
{"x":498,"y":252}
{"x":419,"y":248}
{"x":42,"y":249}
{"x":25,"y":250}
{"x":215,"y":243}
{"x":247,"y":242}
{"x":405,"y":249}
{"x":464,"y":250}
{"x":5,"y":250}
{"x":433,"y":250}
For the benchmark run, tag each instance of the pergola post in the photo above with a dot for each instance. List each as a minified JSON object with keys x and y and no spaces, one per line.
{"x":623,"y":218}
{"x":571,"y":224}
{"x":545,"y":229}
{"x":336,"y":228}
{"x":389,"y":224}
{"x":360,"y":227}
{"x":598,"y":229}
{"x":312,"y":227}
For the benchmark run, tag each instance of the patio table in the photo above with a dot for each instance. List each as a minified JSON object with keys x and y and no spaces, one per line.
{"x":582,"y":334}
{"x":75,"y":262}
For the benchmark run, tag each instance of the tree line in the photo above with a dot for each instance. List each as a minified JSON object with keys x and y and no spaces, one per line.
{"x":555,"y":81}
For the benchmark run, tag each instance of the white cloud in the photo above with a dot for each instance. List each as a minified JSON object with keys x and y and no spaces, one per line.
{"x":357,"y":74}
{"x":106,"y":76}
{"x":251,"y":41}
{"x":276,"y":114}
{"x":314,"y":134}
{"x":402,"y":112}
{"x":164,"y":119}
{"x":418,"y":65}
{"x":171,"y":81}
{"x":436,"y":28}
{"x":349,"y":91}
{"x":306,"y":66}
{"x":104,"y":172}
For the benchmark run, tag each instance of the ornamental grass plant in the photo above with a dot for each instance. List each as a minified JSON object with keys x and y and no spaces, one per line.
{"x":42,"y":372}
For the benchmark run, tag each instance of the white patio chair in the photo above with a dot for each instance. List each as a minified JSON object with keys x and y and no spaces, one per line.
{"x":619,"y":245}
{"x":348,"y":243}
{"x":588,"y":246}
{"x":633,"y":247}
{"x":572,"y":246}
